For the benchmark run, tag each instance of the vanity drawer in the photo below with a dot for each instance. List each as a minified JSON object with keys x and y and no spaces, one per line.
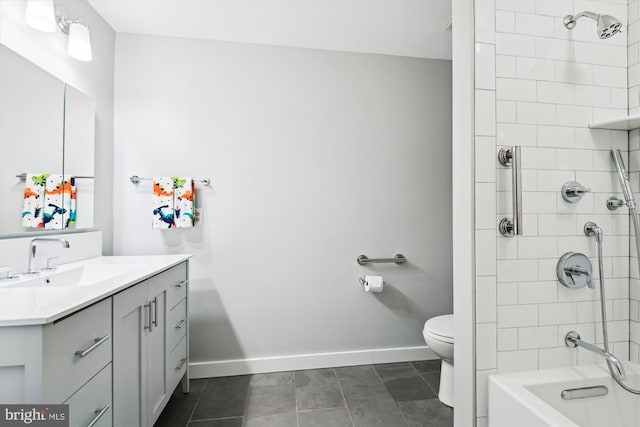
{"x":92,"y":402}
{"x":77,"y":347}
{"x":176,"y":324}
{"x":176,"y":281}
{"x":177,"y":363}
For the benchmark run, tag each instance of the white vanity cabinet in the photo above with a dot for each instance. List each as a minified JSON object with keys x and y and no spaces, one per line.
{"x":145,"y":348}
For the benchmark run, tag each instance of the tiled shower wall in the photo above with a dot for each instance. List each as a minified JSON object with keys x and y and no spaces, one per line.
{"x":633,"y":36}
{"x":539,"y":85}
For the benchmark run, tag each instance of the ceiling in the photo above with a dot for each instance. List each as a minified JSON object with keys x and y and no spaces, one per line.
{"x":391,"y":27}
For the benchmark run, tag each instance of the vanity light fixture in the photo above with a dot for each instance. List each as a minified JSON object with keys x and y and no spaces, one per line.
{"x":43,"y":16}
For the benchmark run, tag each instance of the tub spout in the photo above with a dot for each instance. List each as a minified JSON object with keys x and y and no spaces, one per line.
{"x":572,"y":339}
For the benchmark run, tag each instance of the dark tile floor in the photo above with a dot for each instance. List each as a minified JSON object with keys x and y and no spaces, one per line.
{"x":389,"y":395}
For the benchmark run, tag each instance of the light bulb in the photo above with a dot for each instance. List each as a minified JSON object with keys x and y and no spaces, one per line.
{"x":79,"y":42}
{"x":40,"y":15}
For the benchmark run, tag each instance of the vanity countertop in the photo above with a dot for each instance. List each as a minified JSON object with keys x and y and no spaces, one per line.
{"x":38,"y":305}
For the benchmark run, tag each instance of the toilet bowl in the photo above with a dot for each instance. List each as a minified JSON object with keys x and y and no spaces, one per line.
{"x":438,"y":334}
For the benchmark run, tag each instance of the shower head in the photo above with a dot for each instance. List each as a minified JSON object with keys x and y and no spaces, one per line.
{"x":607,"y":25}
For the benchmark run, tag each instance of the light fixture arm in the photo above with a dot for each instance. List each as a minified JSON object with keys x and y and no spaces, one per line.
{"x":64,"y":24}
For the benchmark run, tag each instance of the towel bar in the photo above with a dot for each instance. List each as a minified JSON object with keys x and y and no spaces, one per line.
{"x":398,"y":259}
{"x":23,"y":176}
{"x":135,"y":179}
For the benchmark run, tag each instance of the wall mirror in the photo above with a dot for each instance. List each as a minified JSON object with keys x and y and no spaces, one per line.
{"x":47,"y":146}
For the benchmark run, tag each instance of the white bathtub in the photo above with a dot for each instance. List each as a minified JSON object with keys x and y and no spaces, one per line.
{"x":533,"y":398}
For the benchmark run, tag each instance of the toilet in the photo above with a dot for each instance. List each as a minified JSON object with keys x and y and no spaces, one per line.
{"x":438,"y":333}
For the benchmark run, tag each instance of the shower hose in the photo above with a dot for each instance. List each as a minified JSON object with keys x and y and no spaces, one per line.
{"x":603,"y":309}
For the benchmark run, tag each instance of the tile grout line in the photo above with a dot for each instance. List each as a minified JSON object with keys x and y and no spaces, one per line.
{"x":389,"y":393}
{"x":295,"y":396}
{"x":344,"y":398}
{"x":201,"y":392}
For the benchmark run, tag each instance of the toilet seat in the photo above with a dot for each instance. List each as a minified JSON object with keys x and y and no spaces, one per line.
{"x":440,"y":328}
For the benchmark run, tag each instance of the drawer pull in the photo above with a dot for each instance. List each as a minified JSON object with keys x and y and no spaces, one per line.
{"x":99,"y":413}
{"x":181,"y":284}
{"x":150,"y":326}
{"x":97,"y":342}
{"x":181,"y":364}
{"x":181,"y":324}
{"x":155,"y":311}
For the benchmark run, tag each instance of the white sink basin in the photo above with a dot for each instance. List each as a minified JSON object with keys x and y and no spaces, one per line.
{"x":85,"y":275}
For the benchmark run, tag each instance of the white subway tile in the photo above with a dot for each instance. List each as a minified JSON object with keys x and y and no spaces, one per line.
{"x":485,"y":21}
{"x":554,"y":7}
{"x":516,"y":134}
{"x":555,"y":93}
{"x":534,"y":25}
{"x":516,"y":270}
{"x":559,"y":357}
{"x":621,"y":309}
{"x":505,"y":21}
{"x":606,"y":114}
{"x":535,"y":68}
{"x":507,"y":339}
{"x":506,"y":66}
{"x":513,"y":361}
{"x":589,"y":311}
{"x":580,"y":32}
{"x":537,"y":337}
{"x":557,"y":314}
{"x":596,"y":139}
{"x":594,"y":96}
{"x":486,"y":211}
{"x":507,"y":293}
{"x":619,"y":56}
{"x":538,"y":158}
{"x":537,"y":114}
{"x":600,"y":182}
{"x":506,"y":111}
{"x":592,"y":53}
{"x":558,"y":49}
{"x":485,"y":66}
{"x":515,"y":89}
{"x":556,"y":136}
{"x":515,"y":316}
{"x":537,"y":292}
{"x":547,"y":268}
{"x":585,"y":205}
{"x":485,"y":253}
{"x":610,"y":76}
{"x":556,"y":225}
{"x":485,"y":151}
{"x":507,"y":248}
{"x":516,"y":5}
{"x":515,"y":44}
{"x":553,"y":180}
{"x":619,"y":98}
{"x":569,"y":115}
{"x":537,"y":247}
{"x":571,"y":72}
{"x":574,"y":159}
{"x":486,"y":299}
{"x":486,"y":346}
{"x":485,"y":115}
{"x":602,"y":161}
{"x":538,"y":202}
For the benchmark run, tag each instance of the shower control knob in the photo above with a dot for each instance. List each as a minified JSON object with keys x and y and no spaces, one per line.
{"x":573,"y":191}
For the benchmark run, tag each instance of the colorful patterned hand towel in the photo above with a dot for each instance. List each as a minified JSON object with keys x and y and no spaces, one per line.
{"x":32,"y":215}
{"x":184,"y":201}
{"x":59,"y":202}
{"x":163,"y":202}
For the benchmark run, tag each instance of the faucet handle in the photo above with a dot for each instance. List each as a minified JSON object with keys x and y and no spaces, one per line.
{"x":49,"y":266}
{"x":5,"y":273}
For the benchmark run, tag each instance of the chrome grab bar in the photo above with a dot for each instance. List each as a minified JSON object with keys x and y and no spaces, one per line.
{"x":398,"y":259}
{"x":99,"y":413}
{"x":510,"y":156}
{"x":96,"y":343}
{"x":582,"y":392}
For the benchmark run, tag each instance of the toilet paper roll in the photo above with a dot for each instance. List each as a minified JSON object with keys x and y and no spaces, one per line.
{"x":373,"y":284}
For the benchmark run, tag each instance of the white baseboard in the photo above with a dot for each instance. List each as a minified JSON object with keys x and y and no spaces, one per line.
{"x":223,"y":368}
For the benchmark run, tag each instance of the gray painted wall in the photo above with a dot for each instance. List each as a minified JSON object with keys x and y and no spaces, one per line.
{"x":315,"y":157}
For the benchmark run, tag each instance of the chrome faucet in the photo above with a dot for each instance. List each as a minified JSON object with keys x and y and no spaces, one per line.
{"x":32,"y":250}
{"x":572,"y":339}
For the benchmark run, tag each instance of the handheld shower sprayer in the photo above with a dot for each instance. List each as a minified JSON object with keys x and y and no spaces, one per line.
{"x":623,"y":178}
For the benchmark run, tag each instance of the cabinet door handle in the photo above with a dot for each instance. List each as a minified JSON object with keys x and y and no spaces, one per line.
{"x":181,"y":284}
{"x":155,"y":312}
{"x":181,"y":324}
{"x":96,"y":343}
{"x":181,"y":364}
{"x":150,"y":327}
{"x":99,"y":413}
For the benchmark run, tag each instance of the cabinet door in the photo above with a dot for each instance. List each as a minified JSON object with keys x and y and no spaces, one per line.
{"x":158,"y":392}
{"x":131,"y":315}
